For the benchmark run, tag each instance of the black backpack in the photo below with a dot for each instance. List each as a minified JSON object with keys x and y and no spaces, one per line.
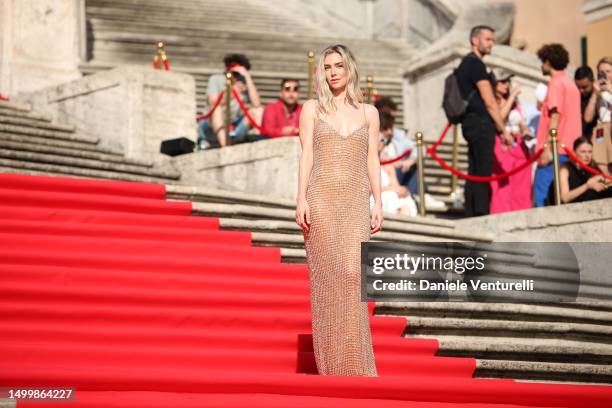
{"x":453,"y":103}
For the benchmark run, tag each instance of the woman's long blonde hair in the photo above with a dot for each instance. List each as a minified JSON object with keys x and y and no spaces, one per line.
{"x":324,"y":93}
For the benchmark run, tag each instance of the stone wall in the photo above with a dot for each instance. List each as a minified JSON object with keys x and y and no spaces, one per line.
{"x":130,"y":109}
{"x":41,"y":43}
{"x":267,"y":167}
{"x":580,"y":222}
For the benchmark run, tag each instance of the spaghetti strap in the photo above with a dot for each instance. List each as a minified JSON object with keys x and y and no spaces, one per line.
{"x":365,"y":118}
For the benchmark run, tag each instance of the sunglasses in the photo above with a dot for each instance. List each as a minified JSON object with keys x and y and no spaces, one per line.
{"x":291,"y":88}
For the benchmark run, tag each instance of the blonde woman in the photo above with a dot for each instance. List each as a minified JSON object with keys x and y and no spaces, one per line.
{"x":339,"y":166}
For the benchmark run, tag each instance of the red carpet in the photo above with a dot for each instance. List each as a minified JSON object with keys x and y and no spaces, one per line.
{"x":107,"y":287}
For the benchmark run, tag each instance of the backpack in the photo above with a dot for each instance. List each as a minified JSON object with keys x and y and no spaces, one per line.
{"x":453,"y":103}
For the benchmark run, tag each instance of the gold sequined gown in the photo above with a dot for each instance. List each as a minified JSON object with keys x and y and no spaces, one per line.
{"x":338,"y":196}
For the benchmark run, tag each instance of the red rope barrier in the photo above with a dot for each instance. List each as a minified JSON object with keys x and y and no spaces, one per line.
{"x":209,"y":114}
{"x":166,"y":65}
{"x":246,"y":112}
{"x":584,"y":165}
{"x":484,"y":179}
{"x":442,"y":136}
{"x":3,"y":98}
{"x":400,"y":157}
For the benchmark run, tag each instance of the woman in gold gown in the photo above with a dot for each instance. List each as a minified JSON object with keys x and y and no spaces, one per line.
{"x":339,"y":168}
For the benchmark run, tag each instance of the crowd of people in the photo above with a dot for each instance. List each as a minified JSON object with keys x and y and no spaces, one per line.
{"x":501,"y":131}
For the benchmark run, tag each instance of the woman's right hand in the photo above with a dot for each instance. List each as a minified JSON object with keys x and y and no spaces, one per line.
{"x":596,"y":183}
{"x":302,"y":215}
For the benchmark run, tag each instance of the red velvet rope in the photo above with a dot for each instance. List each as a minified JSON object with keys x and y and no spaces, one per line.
{"x":166,"y":65}
{"x":3,"y":98}
{"x":246,"y":112}
{"x":484,"y":179}
{"x":209,"y":114}
{"x":442,"y":136}
{"x":400,"y":157}
{"x":584,"y":165}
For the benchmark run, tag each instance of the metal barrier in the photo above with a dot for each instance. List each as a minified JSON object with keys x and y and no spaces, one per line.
{"x":311,"y":68}
{"x":421,"y":170}
{"x":369,"y":88}
{"x":555,"y":154}
{"x":228,"y":100}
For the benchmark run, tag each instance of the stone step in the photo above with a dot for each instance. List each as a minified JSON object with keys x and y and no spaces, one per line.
{"x":54,"y":143}
{"x":409,"y":232}
{"x":293,"y":255}
{"x":34,"y":123}
{"x":46,"y":133}
{"x":574,"y":371}
{"x":545,"y":350}
{"x":393,"y":222}
{"x":42,"y":169}
{"x":190,"y":20}
{"x":402,"y":231}
{"x":285,"y":240}
{"x":250,"y":212}
{"x":28,"y":146}
{"x":587,"y":313}
{"x":272,"y":82}
{"x":212,"y":17}
{"x":179,"y":40}
{"x":205,"y":195}
{"x":433,"y":326}
{"x":25,"y":115}
{"x":12,"y":106}
{"x":271,"y":60}
{"x":94,"y":164}
{"x":222,"y":21}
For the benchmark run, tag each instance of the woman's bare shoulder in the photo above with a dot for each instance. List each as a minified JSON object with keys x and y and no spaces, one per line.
{"x":371,"y":112}
{"x":310,"y":105}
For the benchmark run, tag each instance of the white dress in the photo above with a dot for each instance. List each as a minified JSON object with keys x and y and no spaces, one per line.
{"x":391,"y":202}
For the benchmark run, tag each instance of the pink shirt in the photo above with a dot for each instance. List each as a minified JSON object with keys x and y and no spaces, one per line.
{"x":275,"y":118}
{"x":564,"y":95}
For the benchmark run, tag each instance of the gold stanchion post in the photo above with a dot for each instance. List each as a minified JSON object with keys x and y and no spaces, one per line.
{"x":420,"y":167}
{"x":311,"y":67}
{"x":228,"y":99}
{"x":369,"y":88}
{"x":454,"y":179}
{"x":555,"y":153}
{"x":160,"y":58}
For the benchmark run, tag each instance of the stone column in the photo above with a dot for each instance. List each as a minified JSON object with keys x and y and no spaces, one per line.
{"x":39,"y":43}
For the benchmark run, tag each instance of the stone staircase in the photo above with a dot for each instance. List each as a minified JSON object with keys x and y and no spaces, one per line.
{"x":536,"y":342}
{"x":32,"y":144}
{"x":198,"y":33}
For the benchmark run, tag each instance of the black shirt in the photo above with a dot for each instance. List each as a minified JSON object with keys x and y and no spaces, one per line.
{"x":578,"y":176}
{"x":470,"y":71}
{"x":587,"y":127}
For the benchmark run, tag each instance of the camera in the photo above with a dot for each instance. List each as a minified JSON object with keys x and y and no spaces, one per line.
{"x":601,"y":76}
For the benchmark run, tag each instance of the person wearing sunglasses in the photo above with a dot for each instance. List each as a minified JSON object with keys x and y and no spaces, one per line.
{"x":282,"y":118}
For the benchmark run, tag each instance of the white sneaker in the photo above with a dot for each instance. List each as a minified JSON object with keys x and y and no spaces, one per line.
{"x":431,"y":202}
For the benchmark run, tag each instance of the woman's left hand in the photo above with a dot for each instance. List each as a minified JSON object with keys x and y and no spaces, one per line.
{"x":377,"y":219}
